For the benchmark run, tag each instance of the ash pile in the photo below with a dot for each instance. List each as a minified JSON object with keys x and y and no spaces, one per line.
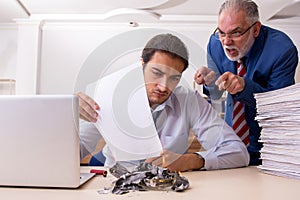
{"x":146,"y":177}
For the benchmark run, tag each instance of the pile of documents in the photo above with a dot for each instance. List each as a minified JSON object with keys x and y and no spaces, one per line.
{"x":278,"y":113}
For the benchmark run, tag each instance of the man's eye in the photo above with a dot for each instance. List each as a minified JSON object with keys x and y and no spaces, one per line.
{"x":157,"y":73}
{"x":236,"y":34}
{"x":222,"y":34}
{"x":175,"y":78}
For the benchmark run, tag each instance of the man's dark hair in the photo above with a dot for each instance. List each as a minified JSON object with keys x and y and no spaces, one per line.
{"x":166,"y":43}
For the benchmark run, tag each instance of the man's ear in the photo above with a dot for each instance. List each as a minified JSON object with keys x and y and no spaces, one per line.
{"x":143,"y":64}
{"x":142,"y":60}
{"x":257,"y":28}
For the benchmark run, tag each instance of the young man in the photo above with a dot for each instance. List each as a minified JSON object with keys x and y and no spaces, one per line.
{"x":175,"y":110}
{"x":247,"y":58}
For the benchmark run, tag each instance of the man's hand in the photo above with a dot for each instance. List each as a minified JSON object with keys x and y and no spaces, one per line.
{"x":87,"y":107}
{"x":231,"y":83}
{"x":177,"y":162}
{"x":204,"y":76}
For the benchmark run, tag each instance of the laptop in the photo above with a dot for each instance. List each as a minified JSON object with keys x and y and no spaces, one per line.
{"x":40,"y":141}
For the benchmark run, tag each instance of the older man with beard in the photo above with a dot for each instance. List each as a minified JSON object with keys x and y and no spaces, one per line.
{"x":246,"y":57}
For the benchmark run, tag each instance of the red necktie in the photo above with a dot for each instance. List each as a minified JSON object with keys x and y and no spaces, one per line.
{"x":239,"y":123}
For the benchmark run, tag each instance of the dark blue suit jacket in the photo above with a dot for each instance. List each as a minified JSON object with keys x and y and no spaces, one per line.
{"x":271,"y":64}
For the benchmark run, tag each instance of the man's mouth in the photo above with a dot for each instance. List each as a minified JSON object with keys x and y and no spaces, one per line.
{"x":232,"y":52}
{"x":159,"y":94}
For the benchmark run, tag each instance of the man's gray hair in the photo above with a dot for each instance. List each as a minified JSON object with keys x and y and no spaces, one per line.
{"x":250,"y":8}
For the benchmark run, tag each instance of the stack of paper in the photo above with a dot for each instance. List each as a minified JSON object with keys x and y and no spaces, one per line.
{"x":279,"y":116}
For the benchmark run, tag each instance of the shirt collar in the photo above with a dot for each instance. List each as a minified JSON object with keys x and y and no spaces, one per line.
{"x":168,"y":103}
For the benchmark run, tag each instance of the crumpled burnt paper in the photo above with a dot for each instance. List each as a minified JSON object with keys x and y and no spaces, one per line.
{"x":146,"y":177}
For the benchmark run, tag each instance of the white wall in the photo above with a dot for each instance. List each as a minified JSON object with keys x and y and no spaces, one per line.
{"x":8,"y":56}
{"x":65,"y":49}
{"x":8,"y":51}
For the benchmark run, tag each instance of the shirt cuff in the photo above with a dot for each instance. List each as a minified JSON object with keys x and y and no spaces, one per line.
{"x":210,"y":160}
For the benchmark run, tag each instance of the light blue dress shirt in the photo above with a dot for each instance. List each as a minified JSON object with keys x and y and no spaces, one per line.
{"x":183,"y":111}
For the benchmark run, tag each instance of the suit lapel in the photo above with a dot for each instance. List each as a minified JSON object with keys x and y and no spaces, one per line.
{"x":228,"y":66}
{"x":254,"y":54}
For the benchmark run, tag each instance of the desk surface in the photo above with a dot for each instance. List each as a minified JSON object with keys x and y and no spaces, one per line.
{"x":233,"y":184}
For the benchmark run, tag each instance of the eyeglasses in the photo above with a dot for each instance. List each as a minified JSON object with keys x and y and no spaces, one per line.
{"x":220,"y":35}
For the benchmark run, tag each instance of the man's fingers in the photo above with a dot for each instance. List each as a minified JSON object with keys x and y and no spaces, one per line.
{"x":210,"y":77}
{"x":87,"y":108}
{"x":198,"y":78}
{"x":87,"y":116}
{"x":150,"y":160}
{"x":88,"y":100}
{"x":204,"y":75}
{"x":155,"y":161}
{"x":220,"y":83}
{"x":230,"y":82}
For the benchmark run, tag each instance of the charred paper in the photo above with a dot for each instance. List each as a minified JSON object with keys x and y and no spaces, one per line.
{"x":146,"y":177}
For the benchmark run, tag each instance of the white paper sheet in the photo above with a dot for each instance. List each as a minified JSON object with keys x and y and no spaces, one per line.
{"x":125,"y":120}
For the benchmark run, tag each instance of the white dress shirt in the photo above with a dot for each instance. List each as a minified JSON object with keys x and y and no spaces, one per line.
{"x":183,"y":111}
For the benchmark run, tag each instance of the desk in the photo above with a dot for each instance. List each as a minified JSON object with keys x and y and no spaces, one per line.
{"x":233,"y":184}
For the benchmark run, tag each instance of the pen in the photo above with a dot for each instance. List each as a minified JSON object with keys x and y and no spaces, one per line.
{"x":99,"y":172}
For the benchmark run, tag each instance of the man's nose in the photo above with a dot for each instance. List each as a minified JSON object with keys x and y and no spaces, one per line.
{"x":163,"y":84}
{"x":227,"y":40}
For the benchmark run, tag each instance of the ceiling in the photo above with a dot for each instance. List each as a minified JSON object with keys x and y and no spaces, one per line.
{"x":120,"y":10}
